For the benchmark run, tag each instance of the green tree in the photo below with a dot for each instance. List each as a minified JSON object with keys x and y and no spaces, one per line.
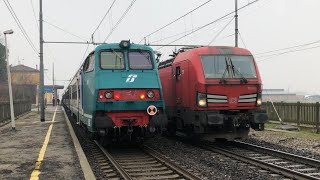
{"x":3,"y":64}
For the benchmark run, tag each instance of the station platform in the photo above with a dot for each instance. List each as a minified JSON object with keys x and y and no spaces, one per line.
{"x":41,"y":150}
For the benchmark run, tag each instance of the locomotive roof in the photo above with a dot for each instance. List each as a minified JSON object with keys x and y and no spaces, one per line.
{"x":217,"y":50}
{"x":117,"y":46}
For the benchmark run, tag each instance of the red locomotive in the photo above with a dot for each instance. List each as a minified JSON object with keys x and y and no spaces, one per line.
{"x":212,"y":92}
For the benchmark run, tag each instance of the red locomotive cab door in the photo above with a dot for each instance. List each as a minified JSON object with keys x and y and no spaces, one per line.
{"x":181,"y":85}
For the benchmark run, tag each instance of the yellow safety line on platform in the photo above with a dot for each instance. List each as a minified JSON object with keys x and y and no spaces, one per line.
{"x":36,"y":172}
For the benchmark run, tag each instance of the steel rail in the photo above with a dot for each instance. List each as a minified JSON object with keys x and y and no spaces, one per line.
{"x":122,"y":172}
{"x":281,"y":154}
{"x":277,"y":169}
{"x":167,"y":162}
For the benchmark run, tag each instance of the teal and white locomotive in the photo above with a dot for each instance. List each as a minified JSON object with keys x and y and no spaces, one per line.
{"x":117,"y":94}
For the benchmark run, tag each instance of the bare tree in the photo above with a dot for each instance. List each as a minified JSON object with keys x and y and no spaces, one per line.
{"x":3,"y":64}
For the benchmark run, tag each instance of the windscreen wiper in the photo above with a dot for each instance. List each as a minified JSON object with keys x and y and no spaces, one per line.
{"x":223,"y":80}
{"x":117,"y":55}
{"x":243,"y":79}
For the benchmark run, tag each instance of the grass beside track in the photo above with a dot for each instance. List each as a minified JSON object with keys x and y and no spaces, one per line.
{"x":306,"y":133}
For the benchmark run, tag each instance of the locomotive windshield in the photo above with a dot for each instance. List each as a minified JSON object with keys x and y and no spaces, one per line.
{"x":233,"y":66}
{"x":140,"y":60}
{"x":111,"y":60}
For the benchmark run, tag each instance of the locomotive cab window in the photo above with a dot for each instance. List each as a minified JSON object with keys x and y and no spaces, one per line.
{"x":86,"y":64}
{"x":111,"y":60}
{"x":243,"y":66}
{"x":178,"y":72}
{"x":140,"y":60}
{"x":230,"y":66}
{"x":89,"y":64}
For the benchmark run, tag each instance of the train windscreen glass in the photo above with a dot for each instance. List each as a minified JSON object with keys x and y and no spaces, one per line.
{"x":217,"y":66}
{"x":140,"y":60}
{"x":243,"y":66}
{"x":111,"y":60}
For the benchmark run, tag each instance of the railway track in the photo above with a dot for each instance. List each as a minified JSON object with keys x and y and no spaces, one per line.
{"x":138,"y":163}
{"x":282,"y":163}
{"x":129,"y":163}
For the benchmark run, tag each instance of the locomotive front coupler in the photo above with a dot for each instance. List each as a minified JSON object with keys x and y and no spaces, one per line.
{"x":103,"y":132}
{"x":236,"y":121}
{"x":130,"y":129}
{"x":130,"y":123}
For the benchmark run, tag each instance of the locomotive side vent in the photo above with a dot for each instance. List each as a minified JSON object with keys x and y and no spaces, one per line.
{"x":212,"y":98}
{"x":247,"y":98}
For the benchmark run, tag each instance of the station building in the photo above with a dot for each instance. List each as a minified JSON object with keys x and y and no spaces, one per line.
{"x":25,"y":81}
{"x":25,"y":84}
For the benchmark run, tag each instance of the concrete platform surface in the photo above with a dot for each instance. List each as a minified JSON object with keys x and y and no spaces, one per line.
{"x":31,"y":152}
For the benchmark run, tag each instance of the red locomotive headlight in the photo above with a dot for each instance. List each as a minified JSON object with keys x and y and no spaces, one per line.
{"x":117,"y":96}
{"x":101,"y":96}
{"x":142,"y":96}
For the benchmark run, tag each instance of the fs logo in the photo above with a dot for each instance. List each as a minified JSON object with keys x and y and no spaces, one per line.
{"x":131,"y":78}
{"x":232,"y":100}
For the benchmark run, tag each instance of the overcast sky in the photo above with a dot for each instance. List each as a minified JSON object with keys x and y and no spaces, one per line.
{"x":264,"y":26}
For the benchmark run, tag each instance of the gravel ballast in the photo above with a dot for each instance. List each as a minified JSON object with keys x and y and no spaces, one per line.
{"x":291,"y":142}
{"x":206,"y":164}
{"x":210,"y":165}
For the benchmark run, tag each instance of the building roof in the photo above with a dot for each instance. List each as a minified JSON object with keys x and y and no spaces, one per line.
{"x":277,"y":92}
{"x":23,"y":68}
{"x":272,"y":90}
{"x":48,"y":88}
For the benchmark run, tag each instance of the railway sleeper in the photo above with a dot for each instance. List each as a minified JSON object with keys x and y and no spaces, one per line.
{"x":152,"y":169}
{"x":174,"y":176}
{"x":142,"y":166}
{"x":153,"y":173}
{"x":137,"y":163}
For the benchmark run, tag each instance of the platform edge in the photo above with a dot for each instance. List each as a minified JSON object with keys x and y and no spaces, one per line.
{"x":85,"y":166}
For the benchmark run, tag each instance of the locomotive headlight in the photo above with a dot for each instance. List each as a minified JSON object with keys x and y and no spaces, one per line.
{"x":108,"y":95}
{"x":202,"y":100}
{"x":259,"y":102}
{"x":125,"y":44}
{"x":259,"y":99}
{"x":150,"y":94}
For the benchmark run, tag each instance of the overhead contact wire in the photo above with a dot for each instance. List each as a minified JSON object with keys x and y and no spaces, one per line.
{"x":57,"y":27}
{"x":104,"y":17}
{"x":34,"y":14}
{"x":218,"y":34}
{"x":121,"y":18}
{"x":175,"y":35}
{"x":201,"y":27}
{"x":198,"y":7}
{"x":291,"y":47}
{"x":16,"y":19}
{"x":242,"y":39}
{"x":286,"y":52}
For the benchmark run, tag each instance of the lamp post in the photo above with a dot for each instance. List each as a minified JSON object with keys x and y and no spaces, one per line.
{"x":9,"y":78}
